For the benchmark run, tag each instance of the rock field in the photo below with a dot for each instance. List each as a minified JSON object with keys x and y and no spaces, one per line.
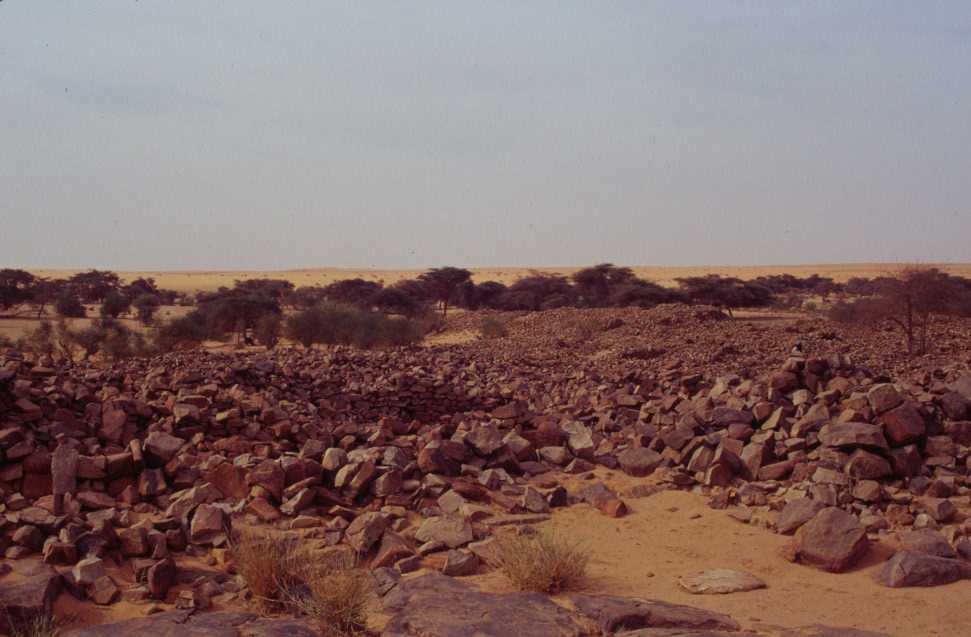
{"x":414,"y":458}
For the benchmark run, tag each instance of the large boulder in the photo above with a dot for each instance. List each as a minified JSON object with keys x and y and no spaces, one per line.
{"x":452,"y":531}
{"x":160,"y":447}
{"x":639,"y":461}
{"x":438,"y":605}
{"x":832,"y":540}
{"x":31,"y":595}
{"x":796,"y":513}
{"x":913,"y":568}
{"x":616,"y":614}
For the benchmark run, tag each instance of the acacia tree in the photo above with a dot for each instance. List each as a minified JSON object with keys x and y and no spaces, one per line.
{"x":146,"y":305}
{"x":595,"y":284}
{"x":724,"y":292}
{"x":94,"y":285}
{"x":441,"y":284}
{"x":15,"y":287}
{"x":45,"y":292}
{"x":909,"y":300}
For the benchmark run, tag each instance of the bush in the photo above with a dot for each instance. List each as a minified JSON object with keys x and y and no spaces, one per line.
{"x":146,"y":305}
{"x":267,"y":565}
{"x":335,"y":597}
{"x":343,"y":325}
{"x":115,"y":304}
{"x":541,"y":561}
{"x":182,"y":333}
{"x":69,"y":306}
{"x":268,"y":331}
{"x":493,"y":328}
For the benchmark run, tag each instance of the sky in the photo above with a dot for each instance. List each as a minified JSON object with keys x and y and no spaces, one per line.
{"x":242,"y":134}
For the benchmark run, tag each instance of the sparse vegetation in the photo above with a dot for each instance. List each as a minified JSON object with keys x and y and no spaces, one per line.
{"x":910,"y":301}
{"x":268,"y":330}
{"x":68,"y":305}
{"x":266,"y":564}
{"x":335,"y":597}
{"x":38,"y":626}
{"x":115,"y":304}
{"x":146,"y":305}
{"x":493,"y":328}
{"x":541,"y":561}
{"x":345,"y":325}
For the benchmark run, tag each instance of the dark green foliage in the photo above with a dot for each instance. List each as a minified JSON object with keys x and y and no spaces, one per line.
{"x":538,"y":292}
{"x":181,"y":333}
{"x":146,"y":305}
{"x":68,"y":305}
{"x":396,"y":301}
{"x":15,"y":287}
{"x":94,"y":285}
{"x":442,"y":284}
{"x":910,"y":301}
{"x":268,"y":330}
{"x":724,"y":292}
{"x":346,"y":325}
{"x":352,"y":291}
{"x":277,"y":289}
{"x":115,"y":304}
{"x":595,"y":285}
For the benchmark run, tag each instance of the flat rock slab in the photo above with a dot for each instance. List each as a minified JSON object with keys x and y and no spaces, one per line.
{"x":720,"y":581}
{"x":914,"y":568}
{"x":444,"y":607}
{"x":684,"y":632}
{"x":829,"y":631}
{"x":187,"y":624}
{"x":29,"y":597}
{"x":616,"y":614}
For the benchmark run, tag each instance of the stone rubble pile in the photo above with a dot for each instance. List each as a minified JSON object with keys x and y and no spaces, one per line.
{"x":417,"y":452}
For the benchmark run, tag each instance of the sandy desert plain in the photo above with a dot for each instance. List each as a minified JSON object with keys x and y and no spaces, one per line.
{"x":206,"y":281}
{"x":769,"y":474}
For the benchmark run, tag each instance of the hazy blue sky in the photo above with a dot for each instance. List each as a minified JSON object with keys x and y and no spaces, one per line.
{"x":253,"y":134}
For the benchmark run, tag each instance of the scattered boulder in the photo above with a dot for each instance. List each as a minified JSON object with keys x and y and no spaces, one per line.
{"x":913,"y":568}
{"x":832,"y":540}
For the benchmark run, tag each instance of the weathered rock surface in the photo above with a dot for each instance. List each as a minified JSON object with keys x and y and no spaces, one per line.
{"x":913,"y":568}
{"x":719,"y":581}
{"x":29,"y":597}
{"x":618,"y":614}
{"x":441,"y":606}
{"x":188,"y":624}
{"x":832,"y":540}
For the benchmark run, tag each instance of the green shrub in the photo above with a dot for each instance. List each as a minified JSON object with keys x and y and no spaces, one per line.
{"x":69,"y":306}
{"x":146,"y":305}
{"x":184,"y":332}
{"x":115,"y":304}
{"x":268,"y":330}
{"x":345,"y":325}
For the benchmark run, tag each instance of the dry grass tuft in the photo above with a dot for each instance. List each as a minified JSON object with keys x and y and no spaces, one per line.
{"x":542,"y":561}
{"x":335,"y":596}
{"x":267,"y":565}
{"x":39,"y":626}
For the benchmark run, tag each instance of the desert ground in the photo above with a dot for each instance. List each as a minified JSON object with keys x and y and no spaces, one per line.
{"x":818,"y":459}
{"x":206,"y":281}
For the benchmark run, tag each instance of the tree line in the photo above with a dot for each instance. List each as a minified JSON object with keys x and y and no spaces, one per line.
{"x":68,"y":296}
{"x":368,"y":313}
